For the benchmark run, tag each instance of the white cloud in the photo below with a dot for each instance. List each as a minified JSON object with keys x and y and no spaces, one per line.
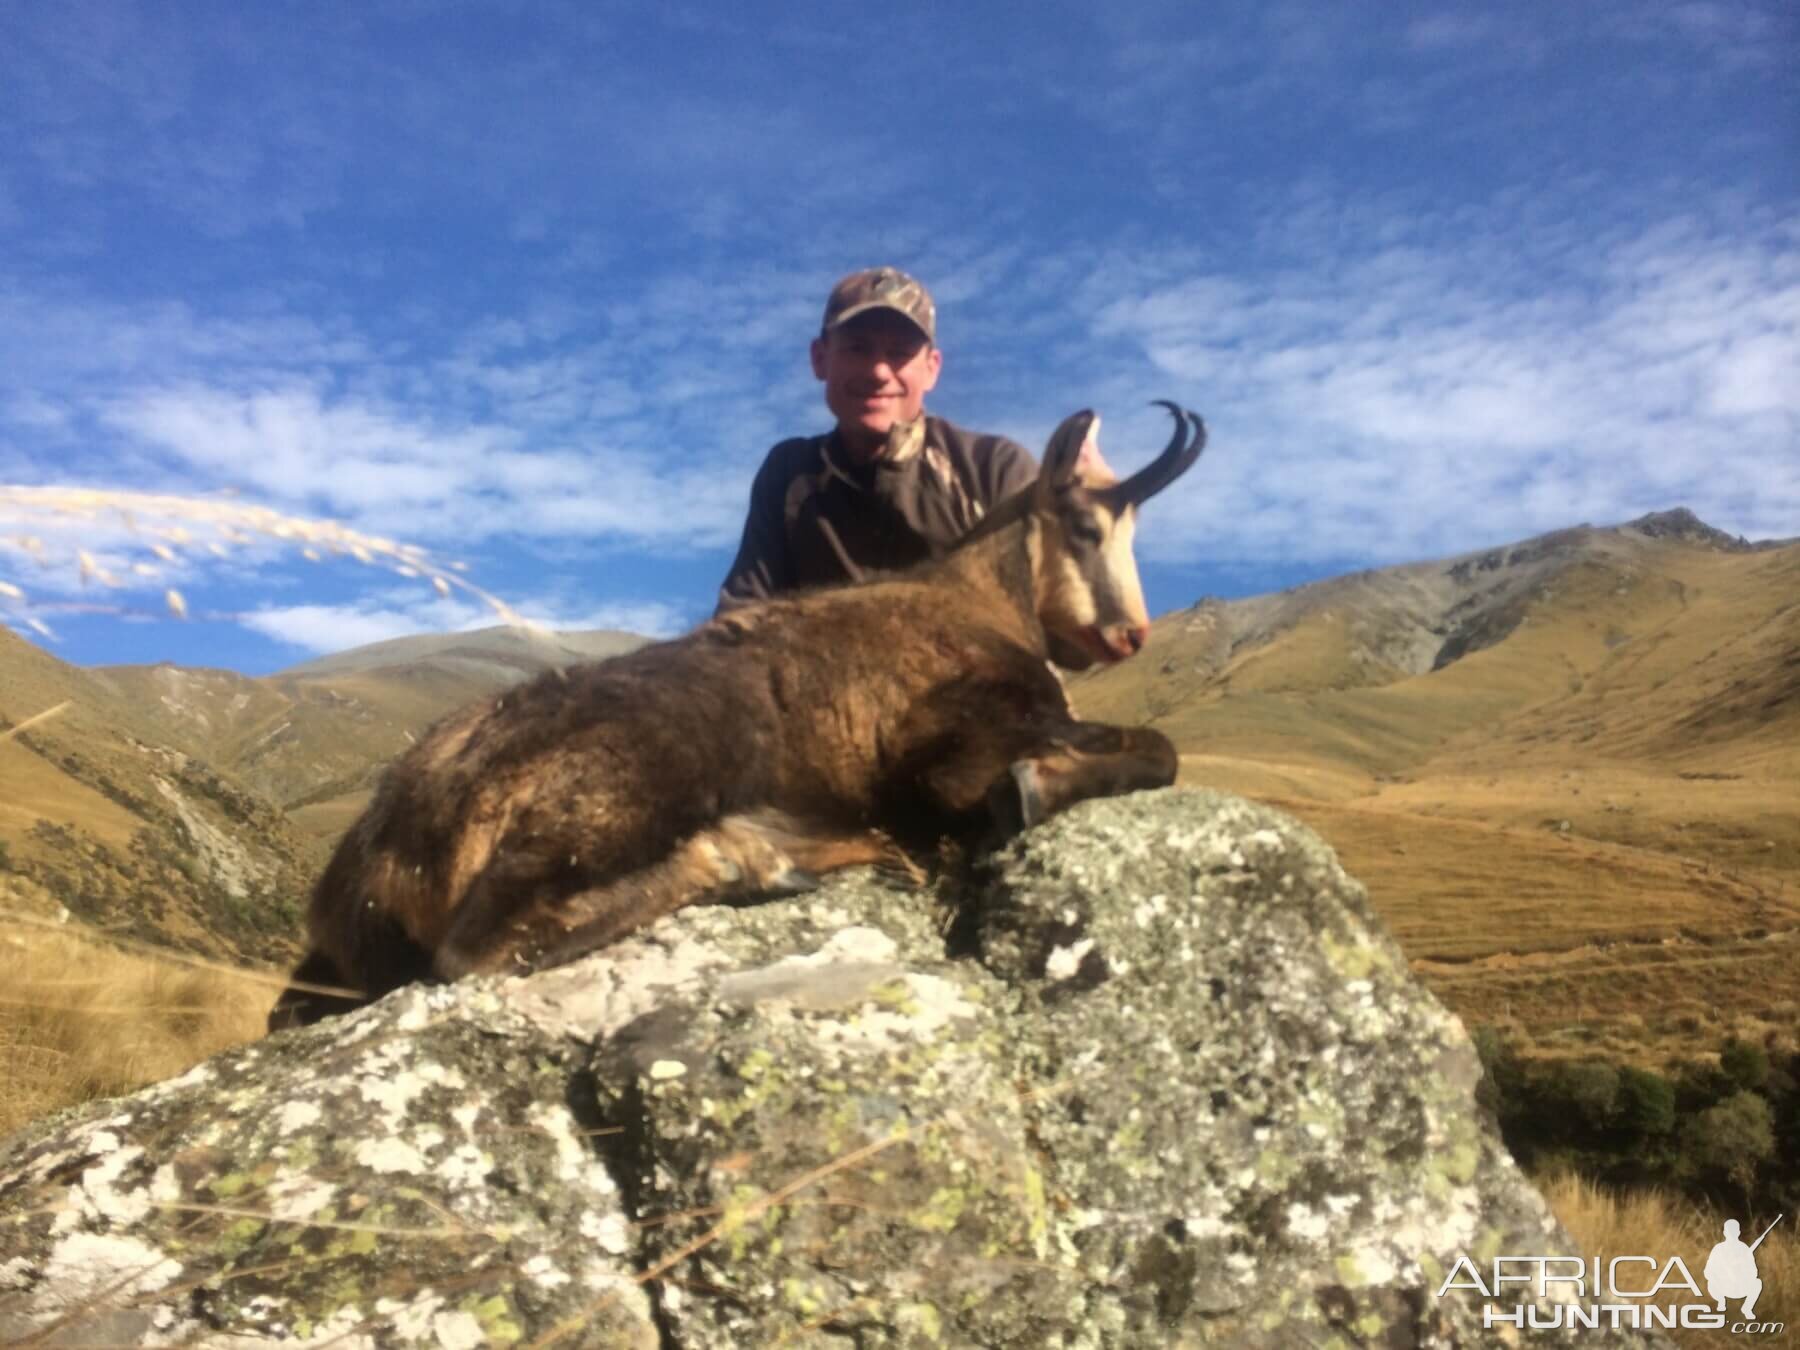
{"x":1739,"y":36}
{"x":1450,"y":29}
{"x":1756,"y":374}
{"x":643,"y":425}
{"x":289,"y":445}
{"x":321,"y":628}
{"x":333,"y":628}
{"x":1387,"y":375}
{"x":1447,"y":381}
{"x":1428,"y":400}
{"x":31,"y":410}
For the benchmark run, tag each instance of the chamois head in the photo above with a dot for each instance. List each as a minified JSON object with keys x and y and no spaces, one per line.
{"x":1089,"y":597}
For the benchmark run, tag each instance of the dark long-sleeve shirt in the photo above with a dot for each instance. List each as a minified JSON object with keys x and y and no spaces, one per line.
{"x":817,"y":519}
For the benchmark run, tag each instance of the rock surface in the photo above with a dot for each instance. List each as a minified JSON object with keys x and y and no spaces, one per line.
{"x":1183,"y":1092}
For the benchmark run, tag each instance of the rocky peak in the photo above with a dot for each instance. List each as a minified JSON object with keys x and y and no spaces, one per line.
{"x":1683,"y":525}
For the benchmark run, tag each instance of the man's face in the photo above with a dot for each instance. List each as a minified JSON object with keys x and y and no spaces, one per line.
{"x":877,"y":369}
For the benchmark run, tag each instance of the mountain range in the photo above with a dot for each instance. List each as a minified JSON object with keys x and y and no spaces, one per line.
{"x":1568,"y":769}
{"x":192,"y":807}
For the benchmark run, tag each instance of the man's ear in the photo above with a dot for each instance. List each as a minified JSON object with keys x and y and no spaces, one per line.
{"x":818,"y":357}
{"x":934,"y":366}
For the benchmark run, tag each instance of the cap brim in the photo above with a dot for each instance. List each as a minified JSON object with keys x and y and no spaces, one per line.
{"x":868,"y":305}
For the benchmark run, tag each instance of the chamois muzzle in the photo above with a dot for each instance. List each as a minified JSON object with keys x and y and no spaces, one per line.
{"x":1178,"y":456}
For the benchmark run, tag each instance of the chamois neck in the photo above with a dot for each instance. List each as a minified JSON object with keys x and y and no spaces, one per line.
{"x":1005,"y":513}
{"x":1000,"y":557}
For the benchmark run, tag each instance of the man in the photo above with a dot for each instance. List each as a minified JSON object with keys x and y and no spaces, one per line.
{"x":890,"y":486}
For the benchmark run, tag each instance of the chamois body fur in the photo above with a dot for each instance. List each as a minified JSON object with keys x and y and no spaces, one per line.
{"x":770,"y":745}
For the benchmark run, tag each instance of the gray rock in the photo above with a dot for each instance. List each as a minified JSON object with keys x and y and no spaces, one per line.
{"x":414,"y":1175}
{"x":1184,"y":1093}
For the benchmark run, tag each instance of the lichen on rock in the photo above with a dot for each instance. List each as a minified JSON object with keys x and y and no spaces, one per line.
{"x":388,"y":1178}
{"x":1184,"y":1091}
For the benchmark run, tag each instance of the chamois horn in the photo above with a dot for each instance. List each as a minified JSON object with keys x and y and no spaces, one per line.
{"x":1178,"y":456}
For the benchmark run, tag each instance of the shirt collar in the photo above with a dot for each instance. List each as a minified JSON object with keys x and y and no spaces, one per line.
{"x":905,"y":442}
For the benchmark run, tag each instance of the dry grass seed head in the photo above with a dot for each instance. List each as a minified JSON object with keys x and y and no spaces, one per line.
{"x":160,"y":523}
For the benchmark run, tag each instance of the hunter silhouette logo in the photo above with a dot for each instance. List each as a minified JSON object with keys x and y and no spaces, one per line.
{"x":1731,"y":1269}
{"x":1578,"y":1293}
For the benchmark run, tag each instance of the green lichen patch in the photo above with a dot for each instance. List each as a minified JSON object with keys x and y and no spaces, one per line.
{"x":1188,"y":1094}
{"x":281,"y":1223}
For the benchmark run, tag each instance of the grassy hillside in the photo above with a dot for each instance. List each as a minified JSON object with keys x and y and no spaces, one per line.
{"x":103,"y":820}
{"x":1584,"y":824}
{"x":151,"y":885}
{"x":313,"y":738}
{"x":1568,"y":772}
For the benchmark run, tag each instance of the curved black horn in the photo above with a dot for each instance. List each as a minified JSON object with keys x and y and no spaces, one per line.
{"x":1177,"y":458}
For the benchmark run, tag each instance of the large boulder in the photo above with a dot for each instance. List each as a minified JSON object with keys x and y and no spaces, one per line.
{"x":1166,"y":1082}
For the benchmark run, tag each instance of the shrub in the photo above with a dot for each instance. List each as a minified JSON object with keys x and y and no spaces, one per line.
{"x":1730,"y":1141}
{"x":1587,"y":1089}
{"x":1699,"y":1085}
{"x":1745,"y":1064}
{"x":1645,"y":1106}
{"x":1500,"y":1090}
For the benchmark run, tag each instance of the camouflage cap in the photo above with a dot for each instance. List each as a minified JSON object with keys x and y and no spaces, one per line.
{"x":881,"y":288}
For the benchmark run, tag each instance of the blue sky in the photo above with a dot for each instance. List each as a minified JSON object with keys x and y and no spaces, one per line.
{"x":529,"y":285}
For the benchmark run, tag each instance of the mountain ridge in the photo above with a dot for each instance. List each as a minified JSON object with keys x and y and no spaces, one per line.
{"x":285,"y":734}
{"x":1580,"y":751}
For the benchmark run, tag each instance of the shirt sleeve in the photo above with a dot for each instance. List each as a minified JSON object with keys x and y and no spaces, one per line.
{"x":1011,"y":469}
{"x":762,"y":566}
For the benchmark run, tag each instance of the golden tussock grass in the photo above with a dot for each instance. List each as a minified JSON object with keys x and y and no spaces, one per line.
{"x":80,"y":1018}
{"x":1661,"y":1224}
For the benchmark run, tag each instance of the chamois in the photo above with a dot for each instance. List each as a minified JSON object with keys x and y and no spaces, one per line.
{"x":774,"y":743}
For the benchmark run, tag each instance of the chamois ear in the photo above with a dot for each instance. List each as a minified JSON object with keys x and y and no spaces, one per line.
{"x":1073,"y":447}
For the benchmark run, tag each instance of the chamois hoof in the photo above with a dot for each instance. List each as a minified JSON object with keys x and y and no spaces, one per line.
{"x":1030,"y":793}
{"x":792,"y":881}
{"x":900,"y":870}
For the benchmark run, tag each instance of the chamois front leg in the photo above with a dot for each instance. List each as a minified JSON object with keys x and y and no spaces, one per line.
{"x":987,"y":766}
{"x":316,"y":990}
{"x":1081,"y":760}
{"x":752,"y":855}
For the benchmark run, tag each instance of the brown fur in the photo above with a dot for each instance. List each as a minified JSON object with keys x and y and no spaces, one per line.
{"x":766,"y":747}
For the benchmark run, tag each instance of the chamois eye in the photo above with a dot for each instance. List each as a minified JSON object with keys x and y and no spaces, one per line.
{"x":1086,"y":532}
